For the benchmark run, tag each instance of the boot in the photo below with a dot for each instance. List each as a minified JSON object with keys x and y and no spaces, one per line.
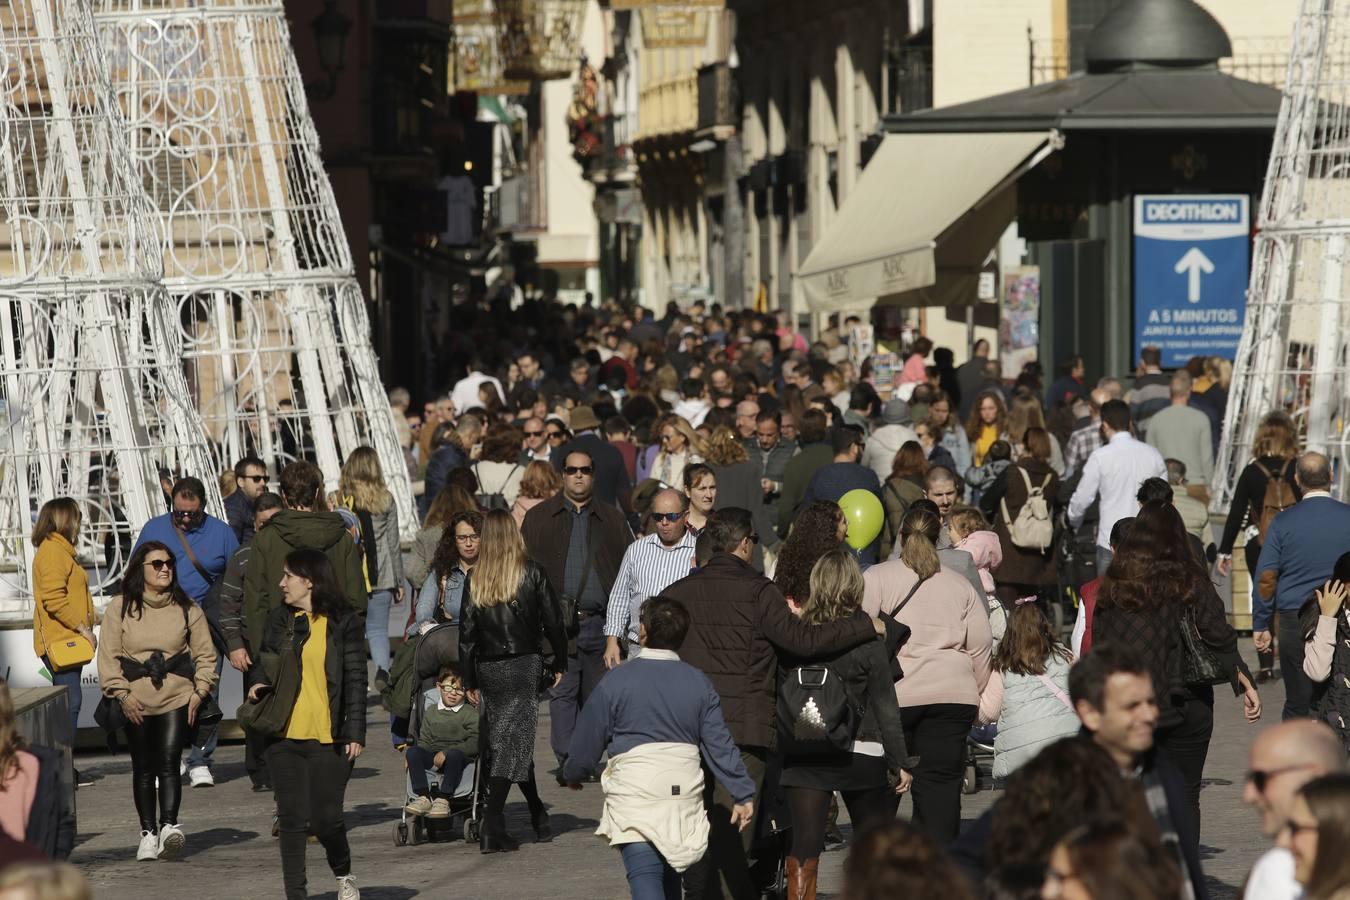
{"x":492,"y":837}
{"x":794,"y":879}
{"x":807,"y":879}
{"x":832,"y":833}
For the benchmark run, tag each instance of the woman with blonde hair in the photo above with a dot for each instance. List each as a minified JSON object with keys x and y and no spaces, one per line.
{"x":945,"y":661}
{"x":988,"y":422}
{"x":63,"y":610}
{"x":363,"y":492}
{"x":872,"y":771}
{"x":33,"y":806}
{"x":1024,"y":415}
{"x":540,"y":482}
{"x":1274,"y":450}
{"x":509,"y":610}
{"x":680,"y":446}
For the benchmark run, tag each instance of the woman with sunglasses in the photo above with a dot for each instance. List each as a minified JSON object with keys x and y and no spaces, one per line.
{"x":442,"y":594}
{"x":678,"y":446}
{"x":311,"y":761}
{"x":700,"y":486}
{"x":556,"y":433}
{"x":156,"y":659}
{"x":1317,"y":834}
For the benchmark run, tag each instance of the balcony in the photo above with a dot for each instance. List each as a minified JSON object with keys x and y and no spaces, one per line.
{"x":516,"y":206}
{"x":668,"y":106}
{"x":716,"y":102}
{"x":909,"y":75}
{"x":1264,"y":60}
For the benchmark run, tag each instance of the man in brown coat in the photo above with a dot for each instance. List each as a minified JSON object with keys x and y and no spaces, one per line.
{"x":738,"y":623}
{"x":580,"y":543}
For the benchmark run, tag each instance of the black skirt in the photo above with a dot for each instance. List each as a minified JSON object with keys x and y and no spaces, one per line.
{"x":838,"y":772}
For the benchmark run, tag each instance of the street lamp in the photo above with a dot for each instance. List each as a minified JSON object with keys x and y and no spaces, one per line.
{"x":330,"y":34}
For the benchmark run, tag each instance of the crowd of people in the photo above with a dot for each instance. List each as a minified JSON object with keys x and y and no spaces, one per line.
{"x":639,"y":521}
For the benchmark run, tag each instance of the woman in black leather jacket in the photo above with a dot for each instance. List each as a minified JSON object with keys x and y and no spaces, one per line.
{"x":874,"y":769}
{"x":312,"y":759}
{"x":508,"y":611}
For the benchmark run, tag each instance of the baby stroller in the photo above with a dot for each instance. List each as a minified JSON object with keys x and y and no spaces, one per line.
{"x":979,"y":755}
{"x":436,"y":649}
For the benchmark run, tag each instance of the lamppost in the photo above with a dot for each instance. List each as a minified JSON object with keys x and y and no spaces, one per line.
{"x":330,"y":35}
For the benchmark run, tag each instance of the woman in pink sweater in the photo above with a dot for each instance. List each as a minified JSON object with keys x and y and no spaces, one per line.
{"x":945,"y":661}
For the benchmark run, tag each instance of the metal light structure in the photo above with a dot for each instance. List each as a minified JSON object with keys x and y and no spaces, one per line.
{"x":93,"y":394}
{"x":275,"y":330}
{"x":1293,"y":353}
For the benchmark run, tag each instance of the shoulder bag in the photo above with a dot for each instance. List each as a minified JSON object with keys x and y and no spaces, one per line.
{"x":72,"y":652}
{"x":904,"y":632}
{"x":1199,"y":663}
{"x":269,"y":714}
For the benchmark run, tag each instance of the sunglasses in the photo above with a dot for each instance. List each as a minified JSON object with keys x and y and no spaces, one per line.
{"x":159,"y":565}
{"x":1259,"y":778}
{"x":555,"y":435}
{"x":754,"y":538}
{"x":185,"y":514}
{"x":578,"y":470}
{"x":668,"y":517}
{"x":536,"y":433}
{"x":253,"y":478}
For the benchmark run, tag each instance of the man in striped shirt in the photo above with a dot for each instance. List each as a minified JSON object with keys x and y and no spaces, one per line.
{"x":650,"y":565}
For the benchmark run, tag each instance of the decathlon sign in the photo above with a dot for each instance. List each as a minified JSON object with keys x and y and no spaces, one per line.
{"x":1191,"y":256}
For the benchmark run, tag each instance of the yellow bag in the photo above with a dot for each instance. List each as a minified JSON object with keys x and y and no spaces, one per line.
{"x":70,"y":653}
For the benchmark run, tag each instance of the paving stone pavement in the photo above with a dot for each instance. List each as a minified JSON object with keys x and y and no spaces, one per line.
{"x":230,"y":852}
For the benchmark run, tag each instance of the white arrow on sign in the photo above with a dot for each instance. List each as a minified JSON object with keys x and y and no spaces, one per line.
{"x":1192,"y":264}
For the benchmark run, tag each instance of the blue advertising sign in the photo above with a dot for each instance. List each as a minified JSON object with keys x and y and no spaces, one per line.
{"x":1190,"y":274}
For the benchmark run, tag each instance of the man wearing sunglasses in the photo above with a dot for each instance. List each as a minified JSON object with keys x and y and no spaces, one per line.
{"x":202,"y":546}
{"x":535,"y":446}
{"x":1281,"y":761}
{"x":650,"y":565}
{"x":580,"y":542}
{"x":251,"y":476}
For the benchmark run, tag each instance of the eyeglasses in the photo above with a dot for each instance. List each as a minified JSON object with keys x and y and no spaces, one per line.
{"x":254,"y":478}
{"x":467,"y":538}
{"x":535,"y":433}
{"x":450,"y":686}
{"x":578,"y":470}
{"x":159,"y":565}
{"x":1259,"y":778}
{"x":668,"y":517}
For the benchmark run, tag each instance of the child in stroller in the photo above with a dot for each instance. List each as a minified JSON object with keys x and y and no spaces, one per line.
{"x":446,"y":742}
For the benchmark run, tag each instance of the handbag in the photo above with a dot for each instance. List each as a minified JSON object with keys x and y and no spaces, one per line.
{"x":898,"y":630}
{"x":72,"y":652}
{"x":109,"y":714}
{"x":269,"y":714}
{"x":1199,"y":663}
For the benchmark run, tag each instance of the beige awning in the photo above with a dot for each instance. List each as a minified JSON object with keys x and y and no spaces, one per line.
{"x":917,"y":226}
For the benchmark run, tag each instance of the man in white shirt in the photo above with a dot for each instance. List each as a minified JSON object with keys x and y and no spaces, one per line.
{"x":1282,"y":760}
{"x":650,"y":565}
{"x":1113,"y":474}
{"x":465,"y":395}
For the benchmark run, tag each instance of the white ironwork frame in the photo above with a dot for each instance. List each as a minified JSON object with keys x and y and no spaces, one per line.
{"x":1292,"y":356}
{"x":275,"y":327}
{"x":94,"y":399}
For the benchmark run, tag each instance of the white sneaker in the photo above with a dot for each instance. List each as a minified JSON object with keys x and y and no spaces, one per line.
{"x":200,"y":776}
{"x":347,"y":889}
{"x":182,"y":767}
{"x":149,"y":847}
{"x":171,"y":841}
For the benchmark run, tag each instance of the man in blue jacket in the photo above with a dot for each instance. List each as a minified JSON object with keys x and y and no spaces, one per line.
{"x":1300,"y":551}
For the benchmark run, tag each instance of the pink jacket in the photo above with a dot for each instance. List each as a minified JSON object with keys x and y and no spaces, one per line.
{"x":984,"y":546}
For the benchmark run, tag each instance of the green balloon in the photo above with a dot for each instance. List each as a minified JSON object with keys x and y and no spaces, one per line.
{"x":863,"y":512}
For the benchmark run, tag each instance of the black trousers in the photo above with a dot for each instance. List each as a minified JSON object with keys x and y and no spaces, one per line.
{"x":156,"y":747}
{"x":1298,"y":686}
{"x":724,"y":870}
{"x":1187,"y":746}
{"x":310,"y":781}
{"x":255,"y":744}
{"x":1252,"y":551}
{"x":936,"y":733}
{"x":809,"y":808}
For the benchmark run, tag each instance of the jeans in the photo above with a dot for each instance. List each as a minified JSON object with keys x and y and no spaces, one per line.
{"x":1187,"y":744}
{"x":156,"y":747}
{"x":936,"y":733}
{"x":724,"y":870}
{"x":421,"y":760}
{"x":377,"y":627}
{"x":207,"y":737}
{"x":583,"y":674}
{"x":650,"y":877}
{"x":310,"y":780}
{"x":1297,"y":685}
{"x":1103,"y":560}
{"x":70,"y":680}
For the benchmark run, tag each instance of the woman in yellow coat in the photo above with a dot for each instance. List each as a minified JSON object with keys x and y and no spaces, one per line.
{"x":63,"y":610}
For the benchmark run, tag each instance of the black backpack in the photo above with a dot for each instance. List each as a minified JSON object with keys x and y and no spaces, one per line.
{"x":494,"y":499}
{"x":815,"y":712}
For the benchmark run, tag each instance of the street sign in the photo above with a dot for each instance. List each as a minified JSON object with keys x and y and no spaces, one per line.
{"x":1190,"y":274}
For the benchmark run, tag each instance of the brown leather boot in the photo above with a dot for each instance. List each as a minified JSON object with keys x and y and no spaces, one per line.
{"x":794,"y":878}
{"x":806,"y":875}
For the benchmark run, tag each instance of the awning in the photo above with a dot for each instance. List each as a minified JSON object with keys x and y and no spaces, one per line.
{"x":925,"y":213}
